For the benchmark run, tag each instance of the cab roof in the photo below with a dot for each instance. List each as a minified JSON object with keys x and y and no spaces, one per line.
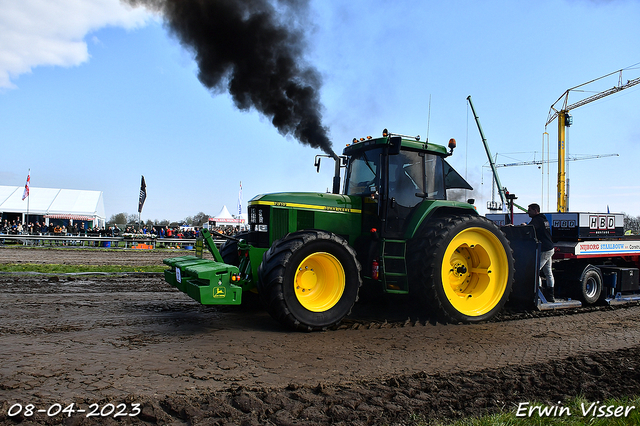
{"x":413,"y":144}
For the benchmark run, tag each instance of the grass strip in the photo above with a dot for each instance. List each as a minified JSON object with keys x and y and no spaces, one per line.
{"x":66,"y":269}
{"x":577,"y":411}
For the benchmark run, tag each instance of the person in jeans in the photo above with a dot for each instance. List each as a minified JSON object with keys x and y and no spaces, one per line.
{"x":543,"y":233}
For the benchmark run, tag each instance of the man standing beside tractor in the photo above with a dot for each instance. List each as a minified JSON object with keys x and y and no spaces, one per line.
{"x":543,"y":233}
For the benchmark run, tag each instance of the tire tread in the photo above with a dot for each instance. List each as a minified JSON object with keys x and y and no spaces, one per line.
{"x":272,"y":271}
{"x":431,"y":237}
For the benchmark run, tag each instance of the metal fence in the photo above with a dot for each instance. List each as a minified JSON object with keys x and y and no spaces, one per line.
{"x":107,"y":242}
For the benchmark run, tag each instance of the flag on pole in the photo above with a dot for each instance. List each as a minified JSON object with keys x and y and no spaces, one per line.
{"x":143,"y":194}
{"x":25,"y":194}
{"x":240,"y":200}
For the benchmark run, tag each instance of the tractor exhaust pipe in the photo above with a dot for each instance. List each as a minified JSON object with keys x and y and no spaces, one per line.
{"x":336,"y":177}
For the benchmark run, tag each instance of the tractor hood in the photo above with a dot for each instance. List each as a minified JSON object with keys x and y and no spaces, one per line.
{"x":311,"y":201}
{"x":272,"y":216}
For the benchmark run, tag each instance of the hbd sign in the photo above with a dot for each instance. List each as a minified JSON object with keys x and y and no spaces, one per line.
{"x":564,"y":223}
{"x":602,"y":222}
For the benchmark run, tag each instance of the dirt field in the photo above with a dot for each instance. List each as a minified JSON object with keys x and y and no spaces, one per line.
{"x":133,"y":344}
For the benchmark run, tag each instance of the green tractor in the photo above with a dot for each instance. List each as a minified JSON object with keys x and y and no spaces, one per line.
{"x":308,"y":254}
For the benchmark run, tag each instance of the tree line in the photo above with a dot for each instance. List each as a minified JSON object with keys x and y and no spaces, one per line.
{"x":632,"y":223}
{"x":132,"y":220}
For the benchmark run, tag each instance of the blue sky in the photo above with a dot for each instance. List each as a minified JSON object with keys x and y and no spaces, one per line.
{"x":94,"y":94}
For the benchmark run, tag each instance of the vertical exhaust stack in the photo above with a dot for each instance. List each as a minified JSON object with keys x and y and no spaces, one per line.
{"x":336,"y":177}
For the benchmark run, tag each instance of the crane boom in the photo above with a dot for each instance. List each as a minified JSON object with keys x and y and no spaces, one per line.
{"x":501,"y":189}
{"x":569,"y":158}
{"x":564,"y":120}
{"x":601,"y":95}
{"x":553,"y":112}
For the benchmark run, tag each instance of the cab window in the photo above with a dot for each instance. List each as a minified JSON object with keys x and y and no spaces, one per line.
{"x":364,"y":173}
{"x":414,"y":176}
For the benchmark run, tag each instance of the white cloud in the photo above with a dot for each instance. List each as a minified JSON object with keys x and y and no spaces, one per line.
{"x":52,"y":32}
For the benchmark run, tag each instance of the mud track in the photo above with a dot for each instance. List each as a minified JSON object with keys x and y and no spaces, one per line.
{"x":127,"y":339}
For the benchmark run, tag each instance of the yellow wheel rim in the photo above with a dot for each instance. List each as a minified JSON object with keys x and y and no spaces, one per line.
{"x":475,"y":271}
{"x":319,"y":282}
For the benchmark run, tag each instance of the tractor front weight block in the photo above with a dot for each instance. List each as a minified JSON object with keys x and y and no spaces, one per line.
{"x":206,"y":281}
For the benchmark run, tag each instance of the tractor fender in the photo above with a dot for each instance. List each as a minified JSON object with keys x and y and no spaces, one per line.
{"x":431,"y":209}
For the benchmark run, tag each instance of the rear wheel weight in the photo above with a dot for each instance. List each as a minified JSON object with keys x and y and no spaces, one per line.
{"x":463,"y":267}
{"x":309,"y":280}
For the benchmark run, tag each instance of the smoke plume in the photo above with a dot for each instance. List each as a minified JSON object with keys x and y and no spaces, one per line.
{"x":254,"y":50}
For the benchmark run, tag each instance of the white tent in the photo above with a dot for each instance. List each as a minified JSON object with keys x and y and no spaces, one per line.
{"x":225,"y":218}
{"x":224,"y":213}
{"x":53,"y":203}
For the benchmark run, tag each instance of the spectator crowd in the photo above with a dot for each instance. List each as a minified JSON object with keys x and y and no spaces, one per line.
{"x":16,"y":227}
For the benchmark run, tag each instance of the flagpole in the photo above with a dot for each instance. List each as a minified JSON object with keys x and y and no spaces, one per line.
{"x":27,"y":213}
{"x":240,"y":206}
{"x":28,"y":199}
{"x":143,"y":196}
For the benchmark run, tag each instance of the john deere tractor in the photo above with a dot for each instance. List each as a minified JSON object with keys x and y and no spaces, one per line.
{"x":308,"y":254}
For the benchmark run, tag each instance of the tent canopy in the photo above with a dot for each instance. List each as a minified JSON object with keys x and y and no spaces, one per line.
{"x":53,"y":203}
{"x":224,"y":217}
{"x":224,"y":213}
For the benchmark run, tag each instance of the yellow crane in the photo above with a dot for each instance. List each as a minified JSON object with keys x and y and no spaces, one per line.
{"x":565,"y":120}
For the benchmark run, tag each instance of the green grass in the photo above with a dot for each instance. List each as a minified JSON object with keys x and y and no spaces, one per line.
{"x":65,"y":269}
{"x":575,"y":406}
{"x":86,"y":248}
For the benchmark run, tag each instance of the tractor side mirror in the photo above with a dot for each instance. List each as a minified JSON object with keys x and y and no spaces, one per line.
{"x":394,"y":145}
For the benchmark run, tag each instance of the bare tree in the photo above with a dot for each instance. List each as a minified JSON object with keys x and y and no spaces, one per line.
{"x":119,"y":218}
{"x":132,"y":219}
{"x":200,"y":219}
{"x":632,"y":224}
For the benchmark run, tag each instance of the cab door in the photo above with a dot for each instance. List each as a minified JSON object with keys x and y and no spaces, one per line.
{"x":413,"y":176}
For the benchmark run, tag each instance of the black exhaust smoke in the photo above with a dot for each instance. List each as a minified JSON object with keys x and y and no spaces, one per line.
{"x":253,"y":50}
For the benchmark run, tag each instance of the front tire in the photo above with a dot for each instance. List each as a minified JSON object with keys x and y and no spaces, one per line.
{"x":229,"y":249}
{"x":463,"y":267}
{"x":309,"y":280}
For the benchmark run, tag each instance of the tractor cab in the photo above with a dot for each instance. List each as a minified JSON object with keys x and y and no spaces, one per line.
{"x":395,"y":174}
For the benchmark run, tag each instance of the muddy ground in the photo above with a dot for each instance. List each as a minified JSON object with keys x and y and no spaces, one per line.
{"x":132,"y":343}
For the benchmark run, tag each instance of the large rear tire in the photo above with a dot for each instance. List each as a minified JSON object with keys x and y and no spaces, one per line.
{"x":462,"y":266}
{"x":309,"y":280}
